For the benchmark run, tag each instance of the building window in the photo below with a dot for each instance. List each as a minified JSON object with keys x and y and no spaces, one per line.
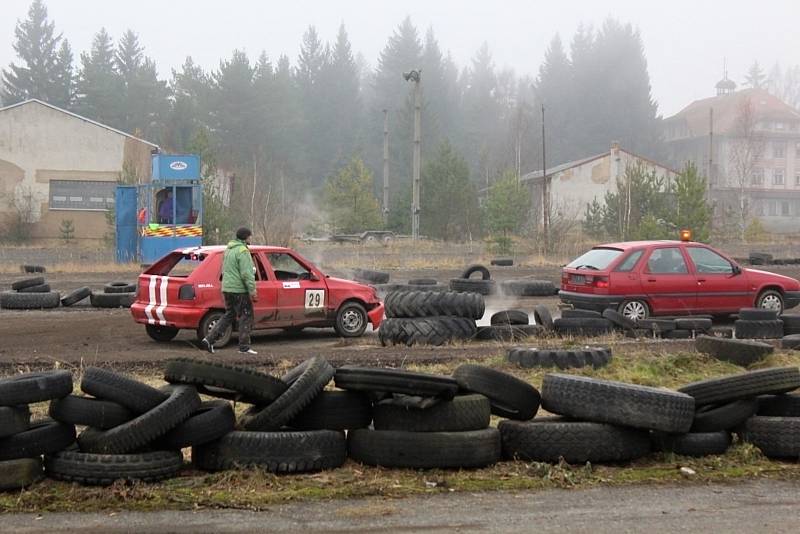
{"x":773,"y":208}
{"x":797,"y":178}
{"x":758,"y":207}
{"x":784,"y":208}
{"x":757,"y":176}
{"x":797,"y":150}
{"x":86,"y":195}
{"x":777,"y":177}
{"x":778,"y":125}
{"x":778,"y":149}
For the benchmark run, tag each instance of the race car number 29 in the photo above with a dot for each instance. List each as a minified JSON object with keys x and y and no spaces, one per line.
{"x":315,"y":299}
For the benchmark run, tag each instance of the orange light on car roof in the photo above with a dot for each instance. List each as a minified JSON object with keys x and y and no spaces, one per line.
{"x":686,"y":235}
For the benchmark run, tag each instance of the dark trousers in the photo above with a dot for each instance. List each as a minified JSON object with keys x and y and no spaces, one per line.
{"x":238,"y":306}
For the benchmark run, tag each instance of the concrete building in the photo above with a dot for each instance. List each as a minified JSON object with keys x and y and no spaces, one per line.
{"x":748,"y":145}
{"x":60,"y":166}
{"x":575,"y":184}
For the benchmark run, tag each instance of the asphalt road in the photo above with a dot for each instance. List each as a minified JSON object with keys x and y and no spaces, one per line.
{"x":761,"y":506}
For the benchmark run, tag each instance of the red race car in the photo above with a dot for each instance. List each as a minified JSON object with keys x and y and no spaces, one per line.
{"x":183,"y":290}
{"x":644,"y":278}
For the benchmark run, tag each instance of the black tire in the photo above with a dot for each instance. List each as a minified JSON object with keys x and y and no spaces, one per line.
{"x":35,"y":387}
{"x":757,"y":314}
{"x":335,"y":410}
{"x":542,"y":316}
{"x":502,"y":262}
{"x":43,"y":437}
{"x":423,"y":282}
{"x":468,"y":285}
{"x":29,"y":269}
{"x":790,"y":342}
{"x":144,"y":429}
{"x":208,"y":322}
{"x":119,"y":287}
{"x":561,"y":358}
{"x":619,"y":320}
{"x":741,"y":386}
{"x":20,"y":473}
{"x":104,"y":469}
{"x":161,"y":334}
{"x":425,"y":330}
{"x":736,"y":351}
{"x":27,"y":282}
{"x":112,"y":300}
{"x":787,"y":405}
{"x":130,"y":393}
{"x":373,"y":379}
{"x":509,"y":317}
{"x":433,"y":304}
{"x":425,"y":450}
{"x":694,"y":443}
{"x":12,"y":300}
{"x":759,"y":329}
{"x":551,"y":438}
{"x":42,"y":288}
{"x":580,"y":314}
{"x":791,"y":323}
{"x":316,"y":373}
{"x":698,"y":324}
{"x":777,"y":437}
{"x":771,"y":299}
{"x":510,"y":333}
{"x":462,"y":414}
{"x":528,"y":288}
{"x":677,"y":334}
{"x":211,"y":421}
{"x":658,"y":326}
{"x":76,"y":296}
{"x":225,"y":381}
{"x":583,"y":327}
{"x":85,"y":411}
{"x":351,"y":319}
{"x":760,"y":258}
{"x":713,"y":418}
{"x":14,"y":419}
{"x":373,"y":277}
{"x":278,"y":452}
{"x":511,"y":397}
{"x":604,"y":401}
{"x":472,"y":269}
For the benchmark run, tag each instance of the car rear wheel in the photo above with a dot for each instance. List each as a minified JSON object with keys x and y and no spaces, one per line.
{"x":208,"y":323}
{"x":635,"y":310}
{"x":351,"y":320}
{"x":770,"y":299}
{"x":159,"y":333}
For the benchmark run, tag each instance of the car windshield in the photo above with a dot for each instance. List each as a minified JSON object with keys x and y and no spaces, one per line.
{"x":596,"y":259}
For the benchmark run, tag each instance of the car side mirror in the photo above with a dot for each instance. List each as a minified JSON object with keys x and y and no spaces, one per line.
{"x":737,"y":269}
{"x":313,"y":277}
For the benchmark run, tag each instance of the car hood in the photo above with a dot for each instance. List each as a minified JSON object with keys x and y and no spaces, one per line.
{"x":792,"y":282}
{"x":342,"y":284}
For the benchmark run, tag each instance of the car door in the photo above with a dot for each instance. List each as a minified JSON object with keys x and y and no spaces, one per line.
{"x":667,"y":281}
{"x":265,"y":309}
{"x":719,"y":287}
{"x":302,"y":294}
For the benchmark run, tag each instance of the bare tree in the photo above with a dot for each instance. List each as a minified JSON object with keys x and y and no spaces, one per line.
{"x":747,"y":148}
{"x":24,"y":212}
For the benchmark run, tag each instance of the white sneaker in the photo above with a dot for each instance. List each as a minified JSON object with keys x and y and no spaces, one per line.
{"x":208,"y":346}
{"x":248,"y":351}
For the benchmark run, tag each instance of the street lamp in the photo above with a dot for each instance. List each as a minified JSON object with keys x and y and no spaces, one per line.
{"x":414,"y":76}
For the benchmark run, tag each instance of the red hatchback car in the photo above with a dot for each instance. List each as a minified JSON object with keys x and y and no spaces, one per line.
{"x":183,"y":290}
{"x":644,"y":278}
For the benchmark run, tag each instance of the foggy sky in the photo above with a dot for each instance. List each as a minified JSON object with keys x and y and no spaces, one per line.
{"x":685,"y":41}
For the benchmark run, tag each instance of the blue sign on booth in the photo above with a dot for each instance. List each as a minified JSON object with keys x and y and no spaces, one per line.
{"x":176,"y":167}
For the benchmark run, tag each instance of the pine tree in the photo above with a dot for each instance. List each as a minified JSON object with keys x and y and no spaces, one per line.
{"x":441,"y":97}
{"x":232,"y":100}
{"x":755,"y":78}
{"x":350,"y":200}
{"x":45,"y":62}
{"x":312,"y":65}
{"x":692,"y":210}
{"x":480,"y":114}
{"x":190,"y":89}
{"x":507,"y":206}
{"x":555,"y":90}
{"x":100,"y":88}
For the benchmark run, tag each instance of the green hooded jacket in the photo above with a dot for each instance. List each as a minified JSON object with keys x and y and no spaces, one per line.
{"x":238,"y":271}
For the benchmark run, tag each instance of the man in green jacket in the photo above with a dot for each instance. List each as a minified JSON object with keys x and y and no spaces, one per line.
{"x":239,"y":291}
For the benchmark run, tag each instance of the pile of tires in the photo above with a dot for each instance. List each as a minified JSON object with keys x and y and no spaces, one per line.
{"x":23,"y":442}
{"x":510,"y":326}
{"x":757,"y":405}
{"x":29,"y":294}
{"x":114,"y":295}
{"x":430,"y":318}
{"x":736,"y":351}
{"x":528,"y":288}
{"x":32,"y":269}
{"x":582,"y":323}
{"x":466,"y":284}
{"x":426,"y":421}
{"x":758,"y":323}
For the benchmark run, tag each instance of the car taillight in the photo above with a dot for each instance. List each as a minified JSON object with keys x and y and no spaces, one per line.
{"x":600,"y":283}
{"x":564,"y":277}
{"x":186,"y":292}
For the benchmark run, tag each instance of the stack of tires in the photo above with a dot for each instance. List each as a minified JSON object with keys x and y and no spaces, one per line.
{"x":757,"y":405}
{"x":29,"y":294}
{"x":466,"y":284}
{"x":758,"y":323}
{"x":132,"y":431}
{"x":528,"y":288}
{"x":509,"y":326}
{"x":430,"y":318}
{"x":23,"y":442}
{"x":32,"y":269}
{"x":791,"y":331}
{"x":114,"y":295}
{"x":582,"y":323}
{"x":427,"y":421}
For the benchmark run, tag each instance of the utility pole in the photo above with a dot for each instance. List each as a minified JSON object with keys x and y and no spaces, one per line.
{"x":414,"y":76}
{"x":385,"y":165}
{"x":710,"y":147}
{"x":545,"y":191}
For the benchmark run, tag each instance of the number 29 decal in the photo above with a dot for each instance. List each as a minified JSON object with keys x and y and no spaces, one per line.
{"x":315,"y":299}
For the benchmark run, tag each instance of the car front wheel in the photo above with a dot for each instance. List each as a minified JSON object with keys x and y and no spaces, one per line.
{"x":351,"y":320}
{"x":770,"y":299}
{"x":635,"y":310}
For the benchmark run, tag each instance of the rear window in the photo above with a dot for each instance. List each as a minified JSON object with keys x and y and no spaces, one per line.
{"x":177,"y":264}
{"x":596,"y":259}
